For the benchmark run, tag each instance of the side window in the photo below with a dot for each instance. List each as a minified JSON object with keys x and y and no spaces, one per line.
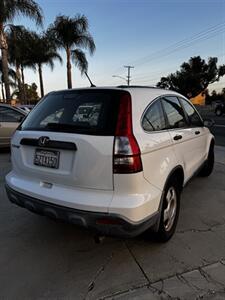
{"x":10,"y":115}
{"x":153,"y":119}
{"x":193,"y":116}
{"x":174,"y":112}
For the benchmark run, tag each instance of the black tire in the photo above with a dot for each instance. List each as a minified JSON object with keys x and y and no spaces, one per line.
{"x":166,"y":230}
{"x":218,"y":112}
{"x":209,"y":164}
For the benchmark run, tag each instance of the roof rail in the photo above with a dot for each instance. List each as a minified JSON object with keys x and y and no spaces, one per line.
{"x":137,"y":86}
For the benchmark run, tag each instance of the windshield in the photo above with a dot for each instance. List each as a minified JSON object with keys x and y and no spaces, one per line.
{"x":83,"y":111}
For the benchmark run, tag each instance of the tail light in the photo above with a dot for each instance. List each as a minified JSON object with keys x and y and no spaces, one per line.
{"x":126,"y":156}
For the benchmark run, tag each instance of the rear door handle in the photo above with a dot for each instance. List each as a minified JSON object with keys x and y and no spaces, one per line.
{"x":197,"y":132}
{"x":177,"y":137}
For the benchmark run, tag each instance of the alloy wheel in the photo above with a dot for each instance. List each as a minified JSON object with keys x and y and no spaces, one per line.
{"x":169,"y":213}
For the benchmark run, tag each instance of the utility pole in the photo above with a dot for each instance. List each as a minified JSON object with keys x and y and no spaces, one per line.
{"x":128,"y":73}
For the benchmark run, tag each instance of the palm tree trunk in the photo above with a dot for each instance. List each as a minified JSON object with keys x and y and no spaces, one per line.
{"x":69,"y":76}
{"x":18,"y":78}
{"x":5,"y":67}
{"x":22,"y":73}
{"x":41,"y":80}
{"x":23,"y":86}
{"x":3,"y":94}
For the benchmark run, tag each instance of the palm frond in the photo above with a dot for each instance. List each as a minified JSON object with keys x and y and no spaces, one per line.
{"x":28,"y":8}
{"x":80,"y":23}
{"x":12,"y":73}
{"x":86,"y":41}
{"x":51,"y":58}
{"x":71,"y":32}
{"x":79,"y":59}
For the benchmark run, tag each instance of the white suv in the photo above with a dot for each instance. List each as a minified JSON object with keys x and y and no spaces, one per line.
{"x":121,"y":169}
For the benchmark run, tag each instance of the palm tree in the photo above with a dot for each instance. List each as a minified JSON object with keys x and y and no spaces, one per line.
{"x":43,"y":51}
{"x":71,"y":34}
{"x":12,"y":79}
{"x":9,"y":9}
{"x":37,"y":50}
{"x":18,"y":51}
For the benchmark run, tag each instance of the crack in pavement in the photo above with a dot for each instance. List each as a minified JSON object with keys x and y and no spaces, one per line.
{"x":209,"y":278}
{"x":222,"y":262}
{"x":194,"y":230}
{"x":209,"y":293}
{"x":161,"y":291}
{"x":190,"y":284}
{"x":137,"y":262}
{"x":209,"y":229}
{"x":202,"y":290}
{"x":123,"y":292}
{"x":215,"y":224}
{"x":98,"y":273}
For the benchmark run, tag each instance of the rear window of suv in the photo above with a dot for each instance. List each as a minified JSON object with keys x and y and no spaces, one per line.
{"x":82,"y":111}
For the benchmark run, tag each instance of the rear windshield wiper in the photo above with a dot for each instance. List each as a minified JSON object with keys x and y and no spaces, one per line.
{"x":65,"y":126}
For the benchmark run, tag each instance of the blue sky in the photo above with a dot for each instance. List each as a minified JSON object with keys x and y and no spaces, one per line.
{"x":137,"y":33}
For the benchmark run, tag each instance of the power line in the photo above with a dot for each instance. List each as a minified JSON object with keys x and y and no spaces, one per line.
{"x":148,"y":76}
{"x":185,"y":43}
{"x":179,"y":48}
{"x":203,"y":35}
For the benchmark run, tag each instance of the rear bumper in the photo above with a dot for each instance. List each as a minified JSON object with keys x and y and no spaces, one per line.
{"x":102,"y":223}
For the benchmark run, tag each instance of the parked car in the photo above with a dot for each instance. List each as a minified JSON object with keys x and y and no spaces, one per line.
{"x":10,"y":118}
{"x":120,"y":175}
{"x":26,"y":108}
{"x":220,"y":109}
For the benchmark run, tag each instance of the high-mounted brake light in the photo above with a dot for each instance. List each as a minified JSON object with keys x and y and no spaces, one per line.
{"x":126,"y":157}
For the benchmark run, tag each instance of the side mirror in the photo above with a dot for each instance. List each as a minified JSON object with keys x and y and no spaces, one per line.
{"x":209,"y":123}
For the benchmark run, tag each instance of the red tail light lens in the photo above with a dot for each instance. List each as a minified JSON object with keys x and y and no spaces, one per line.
{"x":127,"y":157}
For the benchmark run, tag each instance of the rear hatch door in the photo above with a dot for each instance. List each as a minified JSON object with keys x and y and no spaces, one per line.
{"x":68,"y":139}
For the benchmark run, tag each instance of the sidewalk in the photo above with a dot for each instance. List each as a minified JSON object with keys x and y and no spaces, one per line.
{"x":201,"y":283}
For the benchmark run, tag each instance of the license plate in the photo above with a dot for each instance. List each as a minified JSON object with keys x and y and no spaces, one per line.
{"x":46,"y":158}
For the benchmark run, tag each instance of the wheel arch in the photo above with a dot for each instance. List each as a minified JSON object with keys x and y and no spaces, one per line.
{"x":211,"y":143}
{"x":177,"y":172}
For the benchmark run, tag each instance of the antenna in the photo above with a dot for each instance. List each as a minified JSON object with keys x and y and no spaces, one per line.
{"x":92,"y":85}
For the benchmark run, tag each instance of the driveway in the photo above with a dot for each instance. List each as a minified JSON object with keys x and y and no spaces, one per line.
{"x":43,"y":259}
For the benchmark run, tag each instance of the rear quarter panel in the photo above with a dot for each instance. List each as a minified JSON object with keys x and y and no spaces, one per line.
{"x":158,"y":157}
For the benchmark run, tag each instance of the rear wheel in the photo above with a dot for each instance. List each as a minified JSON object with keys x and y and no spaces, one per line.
{"x":209,"y":164}
{"x":170,"y":211}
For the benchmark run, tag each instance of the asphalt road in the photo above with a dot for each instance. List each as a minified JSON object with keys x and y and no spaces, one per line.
{"x":219,"y":133}
{"x":43,"y":259}
{"x":219,"y":128}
